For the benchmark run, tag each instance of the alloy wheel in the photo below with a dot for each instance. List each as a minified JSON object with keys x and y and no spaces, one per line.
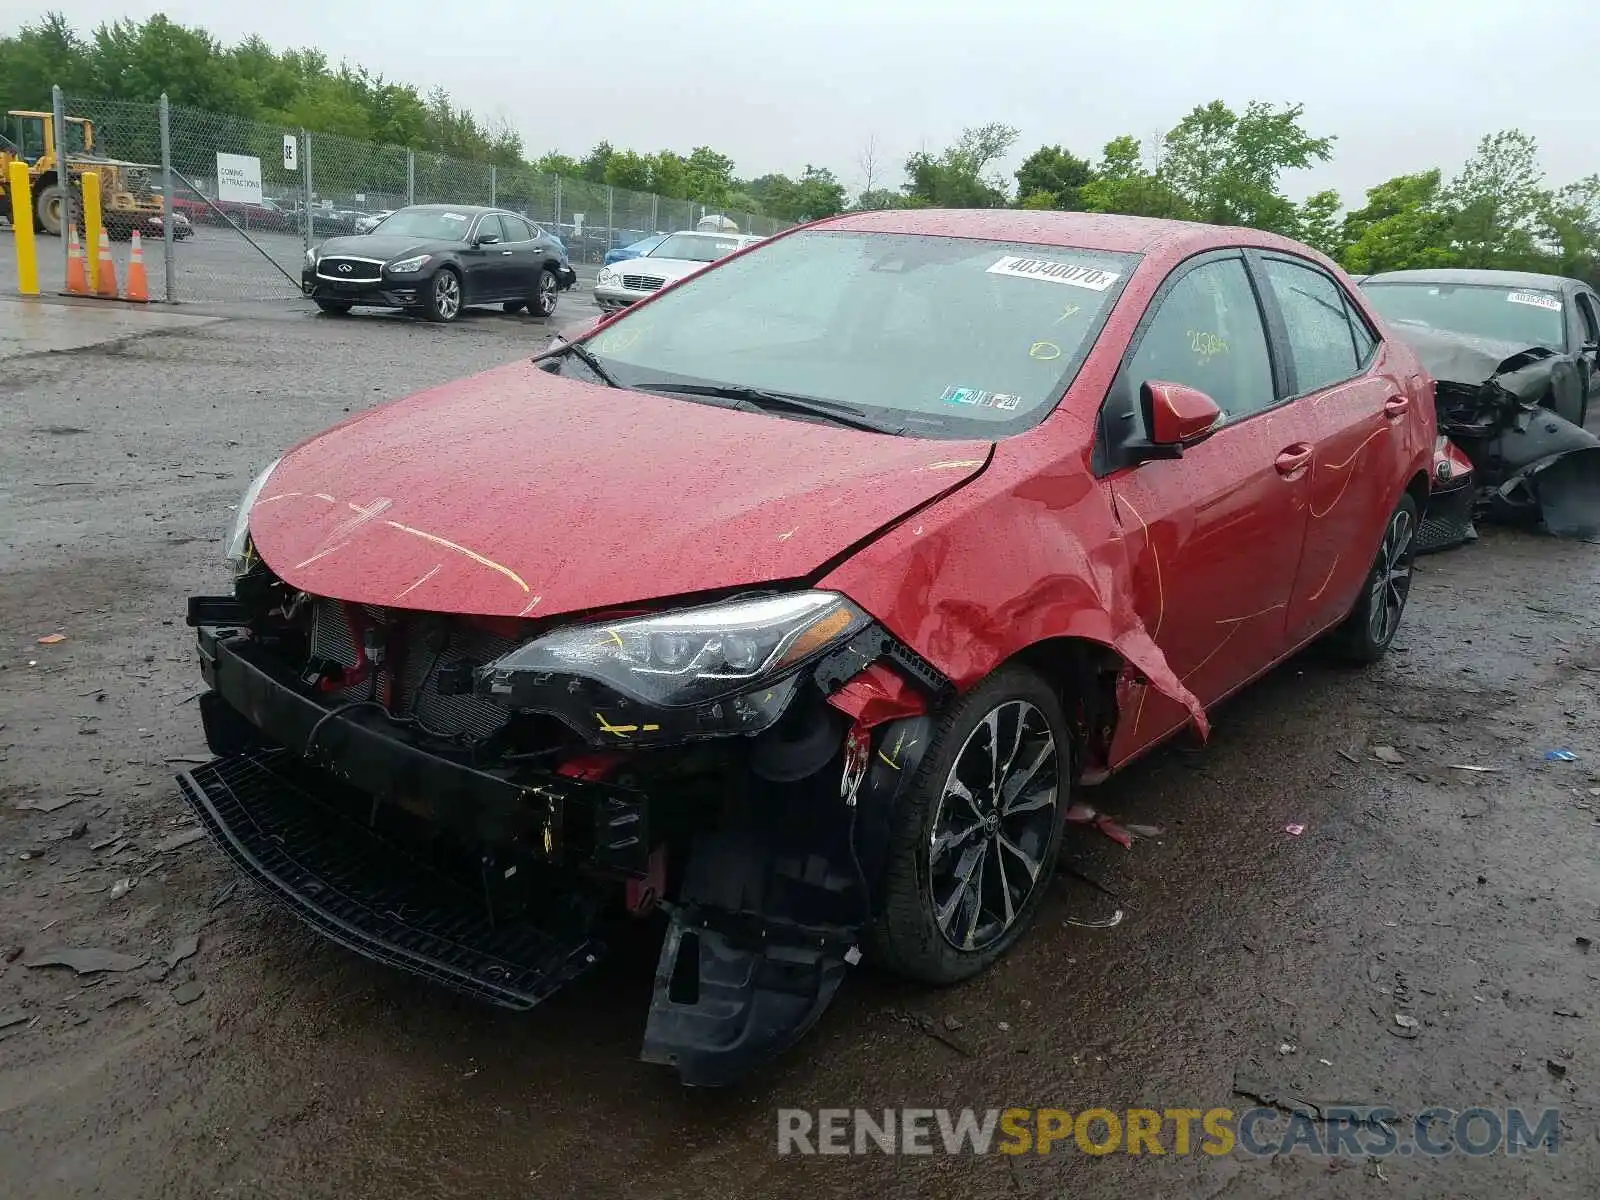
{"x":1391,"y":582}
{"x":993,"y":826}
{"x":547,"y":293}
{"x":447,"y":294}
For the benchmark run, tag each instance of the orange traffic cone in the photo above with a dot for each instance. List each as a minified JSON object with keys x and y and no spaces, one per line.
{"x":105,"y":283}
{"x":77,"y":271}
{"x":138,"y":286}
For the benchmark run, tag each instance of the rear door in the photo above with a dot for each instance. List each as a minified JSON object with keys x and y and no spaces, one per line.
{"x":1215,"y":535}
{"x":527,"y":256}
{"x":1357,"y":420}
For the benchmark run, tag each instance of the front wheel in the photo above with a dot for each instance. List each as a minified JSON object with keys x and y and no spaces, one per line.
{"x":1369,"y":630}
{"x":47,"y":209}
{"x":443,"y":303}
{"x":543,"y":301}
{"x":974,"y":839}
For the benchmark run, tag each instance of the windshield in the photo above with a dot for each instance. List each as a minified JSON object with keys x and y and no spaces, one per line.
{"x":435,"y":224}
{"x":949,"y":337}
{"x":695,"y":247}
{"x":1526,"y":316}
{"x":645,"y":244}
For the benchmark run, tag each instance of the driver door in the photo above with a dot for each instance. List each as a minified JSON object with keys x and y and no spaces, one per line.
{"x":488,"y":261}
{"x":1214,"y":537}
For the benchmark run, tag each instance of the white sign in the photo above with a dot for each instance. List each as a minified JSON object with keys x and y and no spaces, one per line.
{"x":1075,"y":274}
{"x":291,"y":152}
{"x":238,"y":178}
{"x":361,"y":197}
{"x":577,"y":224}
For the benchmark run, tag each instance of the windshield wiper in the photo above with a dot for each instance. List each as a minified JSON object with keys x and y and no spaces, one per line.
{"x":581,"y":352}
{"x":756,"y":399}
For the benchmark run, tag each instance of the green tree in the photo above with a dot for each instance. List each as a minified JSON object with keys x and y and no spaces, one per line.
{"x":1053,"y":172}
{"x":1317,"y":222}
{"x":1402,"y":226}
{"x":1496,"y":202}
{"x":628,"y":169}
{"x":593,"y":166}
{"x":955,"y":178}
{"x":1227,"y":166}
{"x":1570,"y":224}
{"x":38,"y":57}
{"x":708,"y":176}
{"x":1123,"y":185}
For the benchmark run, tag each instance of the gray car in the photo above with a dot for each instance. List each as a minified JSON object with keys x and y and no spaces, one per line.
{"x":1519,"y":307}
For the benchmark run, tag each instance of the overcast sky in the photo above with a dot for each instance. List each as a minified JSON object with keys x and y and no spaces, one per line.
{"x":1402,"y":84}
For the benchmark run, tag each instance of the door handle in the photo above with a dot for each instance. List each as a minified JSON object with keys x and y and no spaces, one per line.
{"x":508,"y":252}
{"x":1396,"y":407}
{"x":1292,"y":460}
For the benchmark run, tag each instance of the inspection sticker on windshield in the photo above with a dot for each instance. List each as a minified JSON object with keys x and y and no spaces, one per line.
{"x":1075,"y":274}
{"x":454,"y":216}
{"x":978,"y":398}
{"x":1537,"y":299}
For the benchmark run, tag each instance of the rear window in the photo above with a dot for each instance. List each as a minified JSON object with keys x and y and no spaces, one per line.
{"x":956,"y":336}
{"x":1525,"y":316}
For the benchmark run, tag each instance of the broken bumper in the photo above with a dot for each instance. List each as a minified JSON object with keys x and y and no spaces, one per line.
{"x":1448,"y":520}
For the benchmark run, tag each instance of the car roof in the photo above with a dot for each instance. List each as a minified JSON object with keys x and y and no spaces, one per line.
{"x":1463,"y":276}
{"x":1081,"y":231}
{"x":470,"y":209}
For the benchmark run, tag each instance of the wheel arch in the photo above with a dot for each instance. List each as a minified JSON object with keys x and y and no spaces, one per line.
{"x":1084,"y":675}
{"x":1418,"y":488}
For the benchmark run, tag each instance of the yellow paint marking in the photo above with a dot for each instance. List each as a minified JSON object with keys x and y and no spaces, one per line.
{"x":325,"y":496}
{"x":784,"y":537}
{"x":617,"y":638}
{"x":1071,"y":310}
{"x":1233,"y":624}
{"x":623,"y":731}
{"x":1327,"y":580}
{"x":530,"y":606}
{"x":320,"y":554}
{"x":1044,"y":351}
{"x":407,"y":590}
{"x":279,"y":496}
{"x":953,"y":463}
{"x":460,"y":549}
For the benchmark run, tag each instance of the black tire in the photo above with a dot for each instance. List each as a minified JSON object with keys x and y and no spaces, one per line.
{"x":1368,"y":632}
{"x":335,"y":308}
{"x":47,"y":209}
{"x":930,"y":927}
{"x":542,"y":303}
{"x":443,"y":300}
{"x":514,"y":306}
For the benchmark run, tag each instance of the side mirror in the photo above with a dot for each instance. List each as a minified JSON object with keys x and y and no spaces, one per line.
{"x":1177,"y":415}
{"x":486,"y":239}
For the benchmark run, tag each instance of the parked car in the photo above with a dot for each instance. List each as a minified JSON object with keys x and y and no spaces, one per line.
{"x":1519,"y":308}
{"x":634,"y":249}
{"x":182,"y":227}
{"x":266,"y":217}
{"x":675,"y":257}
{"x":805,"y":597}
{"x":370,"y":222}
{"x":435,"y":260}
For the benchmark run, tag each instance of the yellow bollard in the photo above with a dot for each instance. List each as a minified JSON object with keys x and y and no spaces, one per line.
{"x":22,"y":227}
{"x":91,"y":227}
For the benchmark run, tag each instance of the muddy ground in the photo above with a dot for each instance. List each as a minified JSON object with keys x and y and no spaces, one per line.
{"x":271,"y":1064}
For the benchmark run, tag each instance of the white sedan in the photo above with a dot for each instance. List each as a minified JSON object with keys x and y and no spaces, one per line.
{"x":680,"y":255}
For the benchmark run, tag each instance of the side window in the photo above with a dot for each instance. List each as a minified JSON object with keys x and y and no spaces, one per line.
{"x":1366,"y":341}
{"x":516,"y":228}
{"x":1320,"y":338}
{"x":1207,"y":334}
{"x":489,"y":226}
{"x":1590,"y":316}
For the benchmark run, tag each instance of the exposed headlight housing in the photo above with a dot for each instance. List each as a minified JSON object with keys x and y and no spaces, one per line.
{"x":715,"y":671}
{"x":237,"y":547}
{"x":606,"y":276}
{"x":405,"y":266}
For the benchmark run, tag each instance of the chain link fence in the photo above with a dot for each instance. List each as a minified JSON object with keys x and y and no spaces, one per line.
{"x":247,"y":199}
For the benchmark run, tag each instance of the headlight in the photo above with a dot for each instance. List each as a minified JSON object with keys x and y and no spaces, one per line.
{"x":699,"y":672}
{"x":311,"y":259}
{"x":239,"y":534}
{"x":606,"y":277}
{"x":406,"y":265}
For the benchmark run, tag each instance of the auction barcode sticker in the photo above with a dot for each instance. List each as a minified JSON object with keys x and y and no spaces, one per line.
{"x":1537,"y":299}
{"x":1075,"y":274}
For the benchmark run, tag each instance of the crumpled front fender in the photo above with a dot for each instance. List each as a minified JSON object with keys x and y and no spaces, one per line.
{"x":982,"y":575}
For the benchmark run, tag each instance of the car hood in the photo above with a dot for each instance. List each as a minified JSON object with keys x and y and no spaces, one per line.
{"x":667,"y":268}
{"x":384,"y":247}
{"x":520,"y":493}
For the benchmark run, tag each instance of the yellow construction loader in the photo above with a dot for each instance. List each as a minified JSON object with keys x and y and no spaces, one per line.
{"x":126,"y":198}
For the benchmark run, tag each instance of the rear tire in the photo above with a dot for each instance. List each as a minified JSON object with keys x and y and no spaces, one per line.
{"x":1369,"y":630}
{"x":335,"y":308}
{"x":443,"y":301}
{"x":47,"y":208}
{"x":543,"y":301}
{"x":970,"y":862}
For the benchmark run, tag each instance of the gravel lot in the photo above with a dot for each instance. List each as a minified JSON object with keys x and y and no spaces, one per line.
{"x":272,"y":1064}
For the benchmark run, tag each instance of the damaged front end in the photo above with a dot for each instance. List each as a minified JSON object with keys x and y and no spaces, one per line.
{"x":1512,"y":411}
{"x":477,"y":800}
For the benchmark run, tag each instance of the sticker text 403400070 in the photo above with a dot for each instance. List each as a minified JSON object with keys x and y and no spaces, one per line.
{"x":1072,"y":274}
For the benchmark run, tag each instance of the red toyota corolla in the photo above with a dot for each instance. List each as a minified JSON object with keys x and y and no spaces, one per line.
{"x":795,"y":602}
